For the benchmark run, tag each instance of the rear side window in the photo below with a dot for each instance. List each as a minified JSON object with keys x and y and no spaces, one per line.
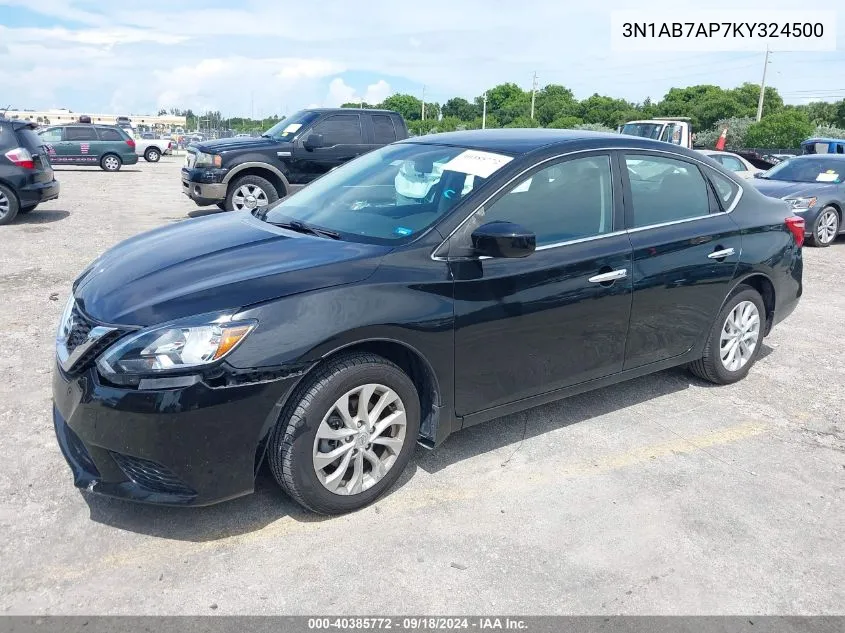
{"x":82,"y":133}
{"x":383,"y":129}
{"x":665,"y":190}
{"x":29,"y":139}
{"x":340,"y":129}
{"x":109,"y":134}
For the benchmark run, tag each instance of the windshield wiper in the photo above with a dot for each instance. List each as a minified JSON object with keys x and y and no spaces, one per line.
{"x":266,"y":136}
{"x":302,"y":227}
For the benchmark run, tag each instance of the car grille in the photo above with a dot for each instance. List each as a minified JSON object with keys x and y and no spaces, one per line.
{"x":80,"y":328}
{"x":151,"y":476}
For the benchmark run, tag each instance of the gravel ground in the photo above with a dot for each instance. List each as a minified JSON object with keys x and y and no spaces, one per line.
{"x":661,"y":496}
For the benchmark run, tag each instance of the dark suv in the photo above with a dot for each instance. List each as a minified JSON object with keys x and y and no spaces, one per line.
{"x":246,"y":173}
{"x":82,"y":144}
{"x":26,"y":176}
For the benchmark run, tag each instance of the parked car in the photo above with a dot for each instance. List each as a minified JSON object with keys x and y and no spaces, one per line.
{"x":26,"y":176}
{"x":249,"y":173}
{"x":153,"y":149}
{"x":732,"y":162}
{"x":814,"y":185}
{"x":823,"y":145}
{"x":424,"y":287}
{"x":108,"y":146}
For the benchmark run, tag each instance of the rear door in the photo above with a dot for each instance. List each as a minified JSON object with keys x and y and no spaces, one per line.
{"x":384,"y":130}
{"x":686,"y":250}
{"x":80,"y":142}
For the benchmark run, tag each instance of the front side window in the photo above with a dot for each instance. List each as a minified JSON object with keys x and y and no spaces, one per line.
{"x":340,"y":129}
{"x":567,"y":200}
{"x":81,"y":133}
{"x":665,"y":190}
{"x":51,"y":135}
{"x":391,"y":194}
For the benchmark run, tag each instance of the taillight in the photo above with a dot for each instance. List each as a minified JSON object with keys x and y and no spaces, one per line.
{"x":795,"y":224}
{"x":131,"y":143}
{"x":21,"y":157}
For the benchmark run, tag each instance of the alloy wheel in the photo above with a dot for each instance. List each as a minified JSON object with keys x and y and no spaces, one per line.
{"x":249,"y":197}
{"x":153,"y":155}
{"x":5,"y":204}
{"x":359,"y":439}
{"x":111,"y":163}
{"x":740,"y":335}
{"x":828,"y":226}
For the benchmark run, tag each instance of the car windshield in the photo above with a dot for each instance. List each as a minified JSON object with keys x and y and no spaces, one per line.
{"x":389,"y":195}
{"x":807,"y":170}
{"x":287,"y":128}
{"x":647,"y":130}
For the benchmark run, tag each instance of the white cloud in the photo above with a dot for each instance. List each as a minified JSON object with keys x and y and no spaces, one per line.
{"x":377,"y":92}
{"x":340,"y":92}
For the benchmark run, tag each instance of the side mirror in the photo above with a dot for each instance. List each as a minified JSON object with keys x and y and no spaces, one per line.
{"x":314,"y":141}
{"x":503,"y":239}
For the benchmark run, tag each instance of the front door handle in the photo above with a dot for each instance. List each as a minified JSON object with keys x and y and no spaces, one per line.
{"x":613,"y":275}
{"x":721,"y":254}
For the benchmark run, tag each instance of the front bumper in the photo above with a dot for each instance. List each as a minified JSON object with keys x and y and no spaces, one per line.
{"x":39,"y":192}
{"x":195,"y":445}
{"x":199,"y":189}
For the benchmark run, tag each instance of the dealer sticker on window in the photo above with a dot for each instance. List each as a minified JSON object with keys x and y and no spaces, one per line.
{"x":477,"y":163}
{"x":828,"y":176}
{"x":293,"y":127}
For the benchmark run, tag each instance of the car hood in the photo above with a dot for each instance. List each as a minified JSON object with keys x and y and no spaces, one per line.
{"x":229,"y":144}
{"x":789,"y":189}
{"x":219,"y":262}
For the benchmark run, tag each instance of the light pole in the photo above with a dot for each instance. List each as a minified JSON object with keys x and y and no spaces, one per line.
{"x":763,"y":86}
{"x":484,"y":113}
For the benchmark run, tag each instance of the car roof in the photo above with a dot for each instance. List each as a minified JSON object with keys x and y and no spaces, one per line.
{"x":350,"y":110}
{"x":826,"y":156}
{"x":518,"y":141}
{"x":823,"y":139}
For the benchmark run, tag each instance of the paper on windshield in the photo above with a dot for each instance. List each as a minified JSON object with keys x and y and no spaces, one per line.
{"x":293,"y":127}
{"x":828,"y":176}
{"x":477,"y":163}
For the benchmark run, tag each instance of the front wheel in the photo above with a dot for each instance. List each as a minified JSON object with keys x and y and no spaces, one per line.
{"x":250,"y":192}
{"x":735,"y":339}
{"x":346,"y":434}
{"x":825,"y":228}
{"x":152,"y":155}
{"x":110,"y":162}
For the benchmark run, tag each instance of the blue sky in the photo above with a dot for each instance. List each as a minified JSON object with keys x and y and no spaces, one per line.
{"x":268,"y":57}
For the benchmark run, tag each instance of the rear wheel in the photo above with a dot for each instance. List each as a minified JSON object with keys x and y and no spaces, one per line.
{"x":250,"y":192}
{"x":152,"y":155}
{"x":346,"y":435}
{"x":735,"y":339}
{"x":110,"y":162}
{"x":825,"y":228}
{"x":8,"y":205}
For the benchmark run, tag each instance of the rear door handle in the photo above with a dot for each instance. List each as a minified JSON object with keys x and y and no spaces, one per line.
{"x":725,"y":252}
{"x":613,"y":275}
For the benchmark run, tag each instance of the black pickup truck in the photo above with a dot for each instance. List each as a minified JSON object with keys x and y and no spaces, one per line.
{"x":245,"y":173}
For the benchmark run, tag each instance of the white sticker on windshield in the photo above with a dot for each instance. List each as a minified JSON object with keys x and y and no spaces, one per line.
{"x":828,"y":176}
{"x":293,"y":127}
{"x":477,"y":163}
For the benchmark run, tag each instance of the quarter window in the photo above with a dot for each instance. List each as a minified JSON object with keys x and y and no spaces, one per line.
{"x":665,"y":190}
{"x":83,"y":133}
{"x":726,"y":189}
{"x":568,"y":200}
{"x":340,"y":129}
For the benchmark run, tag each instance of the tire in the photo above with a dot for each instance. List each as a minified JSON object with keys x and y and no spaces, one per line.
{"x":710,"y":366}
{"x":27,"y":209}
{"x":237,"y":196}
{"x":111,"y":162}
{"x":152,"y":155}
{"x":825,"y":228}
{"x":293,"y":446}
{"x":9,"y":206}
{"x":221,"y":206}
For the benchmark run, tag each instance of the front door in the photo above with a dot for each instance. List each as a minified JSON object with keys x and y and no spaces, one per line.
{"x":57,"y":148}
{"x":343,"y":140}
{"x":524,"y":327}
{"x":686,"y":250}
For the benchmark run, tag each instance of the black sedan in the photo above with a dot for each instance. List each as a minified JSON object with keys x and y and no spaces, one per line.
{"x":422,"y":288}
{"x":814,"y":185}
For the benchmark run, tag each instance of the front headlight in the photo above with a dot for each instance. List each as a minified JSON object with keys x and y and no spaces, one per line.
{"x":208,"y":160}
{"x":174,"y":347}
{"x":801,"y":203}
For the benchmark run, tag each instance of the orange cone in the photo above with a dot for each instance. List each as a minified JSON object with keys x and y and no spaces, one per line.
{"x":720,"y":144}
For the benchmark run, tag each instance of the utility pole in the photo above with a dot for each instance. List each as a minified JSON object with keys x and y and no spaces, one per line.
{"x":423,"y":104}
{"x":763,"y":86}
{"x":533,"y":93}
{"x":484,"y":113}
